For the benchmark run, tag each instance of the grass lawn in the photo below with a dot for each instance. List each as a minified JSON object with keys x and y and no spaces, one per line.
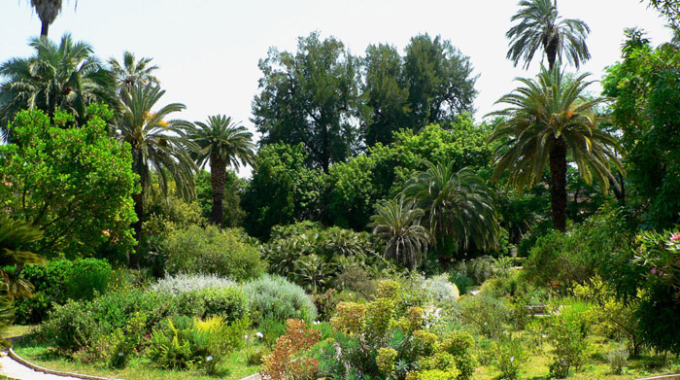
{"x":233,"y":368}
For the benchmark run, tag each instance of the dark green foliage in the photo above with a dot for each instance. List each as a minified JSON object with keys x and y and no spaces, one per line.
{"x":439,"y":79}
{"x":88,"y":277}
{"x":314,"y":258}
{"x":233,"y":191}
{"x":73,"y":183}
{"x":227,"y":253}
{"x":656,"y":314}
{"x":69,"y":327}
{"x":57,"y":281}
{"x":432,"y":83}
{"x":229,"y":303}
{"x":647,"y":110}
{"x":310,"y":98}
{"x":282,"y":190}
{"x":560,"y":259}
{"x":462,"y":346}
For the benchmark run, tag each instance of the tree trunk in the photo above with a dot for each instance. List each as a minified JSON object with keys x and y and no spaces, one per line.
{"x":551,"y":52}
{"x":44,"y":29}
{"x":218,"y":176}
{"x":133,"y":257}
{"x":558,"y":185}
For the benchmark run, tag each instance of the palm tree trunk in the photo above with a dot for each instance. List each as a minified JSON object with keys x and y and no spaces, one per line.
{"x":558,"y":185}
{"x":44,"y":29}
{"x":218,"y":176}
{"x":133,"y":257}
{"x":551,"y":53}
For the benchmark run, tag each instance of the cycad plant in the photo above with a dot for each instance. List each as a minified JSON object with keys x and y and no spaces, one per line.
{"x":222,"y":143}
{"x":459,"y":207}
{"x":540,"y":27}
{"x":398,"y":223}
{"x":158,"y":146}
{"x":549,"y":121}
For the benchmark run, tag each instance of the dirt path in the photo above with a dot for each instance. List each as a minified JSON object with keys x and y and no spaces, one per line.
{"x":16,"y":370}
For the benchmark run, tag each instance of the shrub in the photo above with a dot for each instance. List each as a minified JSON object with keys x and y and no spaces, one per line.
{"x":462,"y":346}
{"x":88,"y":277}
{"x":510,"y":358}
{"x":57,"y":281}
{"x":461,"y":280}
{"x":617,"y":359}
{"x":560,"y":259}
{"x":478,"y":269}
{"x":227,"y":303}
{"x":568,"y":334}
{"x":69,"y":328}
{"x":183,"y":342}
{"x":226,"y":253}
{"x":485,"y":314}
{"x":441,"y":290}
{"x":279,"y":364}
{"x":180,"y":283}
{"x":277,"y":298}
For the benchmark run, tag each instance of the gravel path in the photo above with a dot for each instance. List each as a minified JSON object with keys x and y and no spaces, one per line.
{"x":16,"y":370}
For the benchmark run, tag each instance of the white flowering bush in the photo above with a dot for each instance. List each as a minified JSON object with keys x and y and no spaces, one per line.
{"x":440,"y":290}
{"x":182,"y":283}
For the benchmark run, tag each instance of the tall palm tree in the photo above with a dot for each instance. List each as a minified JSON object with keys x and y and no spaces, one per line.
{"x":47,"y":11}
{"x":398,"y":222}
{"x":131,"y":72}
{"x":541,"y":27}
{"x":222,"y":143}
{"x":458,"y":205}
{"x":157,"y":145}
{"x":67,"y":75}
{"x":547,"y":121}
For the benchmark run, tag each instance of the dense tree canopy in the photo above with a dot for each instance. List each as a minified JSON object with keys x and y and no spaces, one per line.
{"x":431,"y":84}
{"x":646,"y":87}
{"x":310,"y":97}
{"x":75,"y":184}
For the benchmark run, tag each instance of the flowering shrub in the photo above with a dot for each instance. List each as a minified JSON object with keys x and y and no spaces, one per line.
{"x":181,"y":283}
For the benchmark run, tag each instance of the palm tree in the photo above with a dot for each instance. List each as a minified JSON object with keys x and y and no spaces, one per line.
{"x":67,"y":75}
{"x":458,"y":205}
{"x":15,"y":236}
{"x":548,"y":120}
{"x":132,"y":72}
{"x":398,"y":222}
{"x":157,"y":145}
{"x":223,"y":143}
{"x":541,"y":27}
{"x":47,"y":11}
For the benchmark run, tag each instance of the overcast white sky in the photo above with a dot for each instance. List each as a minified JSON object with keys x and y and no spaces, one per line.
{"x":208,"y":50}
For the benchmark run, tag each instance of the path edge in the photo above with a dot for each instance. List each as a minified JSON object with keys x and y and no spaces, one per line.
{"x":38,"y":368}
{"x":35,"y":367}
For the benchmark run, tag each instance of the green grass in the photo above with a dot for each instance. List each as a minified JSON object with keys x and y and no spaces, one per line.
{"x":17,"y":331}
{"x":233,"y":368}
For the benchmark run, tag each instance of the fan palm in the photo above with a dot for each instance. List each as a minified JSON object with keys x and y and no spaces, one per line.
{"x":458,"y":205}
{"x":157,"y":145}
{"x":131,"y":72}
{"x":547,"y":120}
{"x":67,"y":75}
{"x":222,"y":143}
{"x":47,"y":11}
{"x":398,"y":222}
{"x":541,"y":27}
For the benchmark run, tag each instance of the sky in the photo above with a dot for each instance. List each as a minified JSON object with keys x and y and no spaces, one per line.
{"x":208,"y":50}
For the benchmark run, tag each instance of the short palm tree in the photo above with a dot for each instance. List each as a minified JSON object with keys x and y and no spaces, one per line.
{"x":157,"y":145}
{"x":398,"y":223}
{"x":132,"y":72}
{"x":222,"y":143}
{"x":67,"y":75}
{"x":547,"y":121}
{"x":541,"y":27}
{"x":15,"y":236}
{"x":457,"y":204}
